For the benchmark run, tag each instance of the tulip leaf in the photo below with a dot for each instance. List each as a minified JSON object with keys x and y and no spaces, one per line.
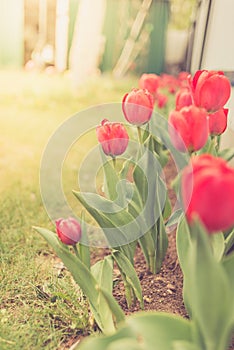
{"x":183,"y":345}
{"x":103,"y":273}
{"x":83,"y":249}
{"x":103,"y":342}
{"x":145,"y":331}
{"x":174,"y":218}
{"x":227,"y":154}
{"x":228,"y":263}
{"x":114,"y":307}
{"x":229,"y":242}
{"x":127,"y":269}
{"x":119,"y":226}
{"x":217,"y":245}
{"x":183,"y":242}
{"x":207,"y":284}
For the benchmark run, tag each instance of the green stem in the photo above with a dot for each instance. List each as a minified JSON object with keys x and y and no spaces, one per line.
{"x":76,"y":251}
{"x":152,"y":264}
{"x":114,"y":162}
{"x":128,"y":293}
{"x":139,"y":134}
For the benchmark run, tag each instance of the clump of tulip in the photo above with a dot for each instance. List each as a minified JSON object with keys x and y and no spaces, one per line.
{"x":207,"y":93}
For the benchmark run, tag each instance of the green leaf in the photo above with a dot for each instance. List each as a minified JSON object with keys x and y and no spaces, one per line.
{"x":217,"y":245}
{"x":159,"y":330}
{"x":174,"y":218}
{"x":103,"y":343}
{"x":103,"y":274}
{"x":119,"y":226}
{"x":227,"y":154}
{"x":114,"y":307}
{"x":210,"y":147}
{"x":183,"y":345}
{"x":83,"y":249}
{"x":126,"y":268}
{"x":208,"y":285}
{"x":147,"y":331}
{"x":183,"y":241}
{"x":228,"y":265}
{"x":229,"y":242}
{"x":110,"y":178}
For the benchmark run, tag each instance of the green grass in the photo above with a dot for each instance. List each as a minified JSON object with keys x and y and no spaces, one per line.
{"x":39,"y":304}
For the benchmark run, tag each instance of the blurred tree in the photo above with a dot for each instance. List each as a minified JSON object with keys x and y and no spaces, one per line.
{"x":87,"y":40}
{"x":158,"y":17}
{"x":11,"y":32}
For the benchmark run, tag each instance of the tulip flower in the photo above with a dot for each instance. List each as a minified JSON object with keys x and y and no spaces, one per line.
{"x":188,"y":128}
{"x":218,"y":121}
{"x":208,"y":192}
{"x":113,"y":137}
{"x":161,"y":100}
{"x":210,"y":89}
{"x":137,"y":106}
{"x":183,"y":98}
{"x":68,"y":230}
{"x":149,"y":82}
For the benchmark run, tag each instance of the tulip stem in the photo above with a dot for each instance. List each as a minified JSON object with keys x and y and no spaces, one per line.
{"x":114,"y":162}
{"x":76,"y":251}
{"x":139,"y":134}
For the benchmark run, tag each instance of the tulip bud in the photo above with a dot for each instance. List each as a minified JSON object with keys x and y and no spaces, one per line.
{"x":113,"y":138}
{"x":208,"y":192}
{"x":183,"y":98}
{"x":218,"y":121}
{"x":161,"y":100}
{"x":68,"y":230}
{"x":149,"y":82}
{"x":211,"y":89}
{"x":188,"y":128}
{"x":138,"y":106}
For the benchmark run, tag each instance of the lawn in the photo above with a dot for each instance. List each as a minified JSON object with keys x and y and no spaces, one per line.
{"x":37,"y":308}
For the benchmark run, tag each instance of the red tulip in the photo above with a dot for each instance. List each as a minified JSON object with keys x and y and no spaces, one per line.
{"x":161,"y":100}
{"x":188,"y":128}
{"x":208,"y":192}
{"x":211,"y":89}
{"x":149,"y":82}
{"x":68,"y":230}
{"x":218,"y":121}
{"x":138,"y":106}
{"x":113,"y":138}
{"x":183,"y":98}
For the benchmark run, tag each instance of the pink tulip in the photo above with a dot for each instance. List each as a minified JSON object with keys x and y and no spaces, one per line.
{"x":210,"y":89}
{"x":218,"y":121}
{"x":113,"y":138}
{"x":149,"y":82}
{"x":208,"y":192}
{"x":68,"y":230}
{"x":188,"y":128}
{"x":137,"y":106}
{"x":183,"y":98}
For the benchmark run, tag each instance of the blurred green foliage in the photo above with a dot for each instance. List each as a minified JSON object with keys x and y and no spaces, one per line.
{"x":182,"y":13}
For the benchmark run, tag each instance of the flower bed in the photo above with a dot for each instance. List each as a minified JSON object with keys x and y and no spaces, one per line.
{"x":135,"y":215}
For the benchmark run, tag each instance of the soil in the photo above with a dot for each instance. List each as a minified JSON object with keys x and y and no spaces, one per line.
{"x":162,"y":292}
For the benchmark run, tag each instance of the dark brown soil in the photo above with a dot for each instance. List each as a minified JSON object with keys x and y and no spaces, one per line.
{"x":162,"y":292}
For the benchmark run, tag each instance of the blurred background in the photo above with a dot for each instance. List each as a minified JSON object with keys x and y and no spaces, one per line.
{"x":91,"y":37}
